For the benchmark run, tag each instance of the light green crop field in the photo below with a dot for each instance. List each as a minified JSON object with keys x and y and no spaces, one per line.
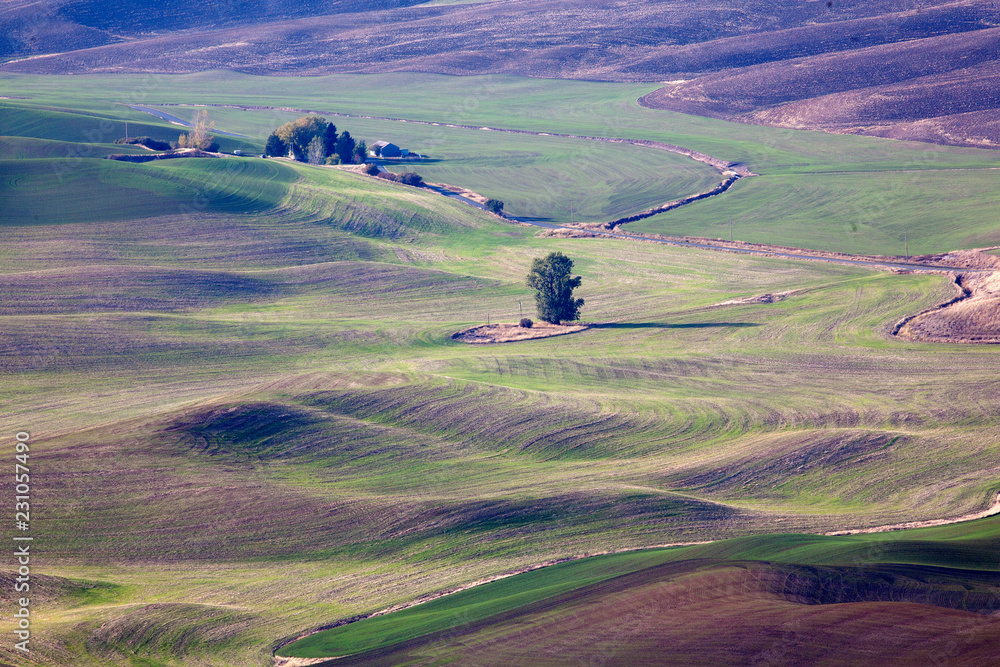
{"x":958,"y":547}
{"x":249,"y":419}
{"x":848,"y":212}
{"x":550,"y":178}
{"x":830,"y":210}
{"x":72,"y":120}
{"x":106,"y":190}
{"x":24,"y":148}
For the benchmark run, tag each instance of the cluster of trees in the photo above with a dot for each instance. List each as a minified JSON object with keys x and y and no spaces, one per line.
{"x":148,"y":142}
{"x":406,"y":178}
{"x":199,"y":137}
{"x":312,"y":139}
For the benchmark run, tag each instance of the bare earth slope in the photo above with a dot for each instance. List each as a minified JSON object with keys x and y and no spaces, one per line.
{"x":605,"y":39}
{"x":939,"y":89}
{"x":915,"y":69}
{"x":53,"y":26}
{"x":974,"y":317}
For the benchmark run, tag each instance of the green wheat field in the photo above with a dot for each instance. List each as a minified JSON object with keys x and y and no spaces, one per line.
{"x":249,"y":420}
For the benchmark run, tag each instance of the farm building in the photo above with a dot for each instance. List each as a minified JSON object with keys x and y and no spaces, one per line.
{"x":387,"y":149}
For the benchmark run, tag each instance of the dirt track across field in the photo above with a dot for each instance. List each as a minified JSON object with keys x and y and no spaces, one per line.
{"x":972,"y":316}
{"x":717,"y":163}
{"x":730,"y":171}
{"x":298,"y":662}
{"x":989,"y":511}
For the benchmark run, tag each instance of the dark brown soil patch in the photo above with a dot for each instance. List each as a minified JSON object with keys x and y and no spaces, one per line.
{"x":933,"y":89}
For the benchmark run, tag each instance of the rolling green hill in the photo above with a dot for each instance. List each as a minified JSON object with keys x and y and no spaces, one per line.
{"x":109,"y":190}
{"x":819,"y":191}
{"x":26,"y":148}
{"x":250,"y":420}
{"x":904,"y":69}
{"x":89,"y":123}
{"x":926,"y":587}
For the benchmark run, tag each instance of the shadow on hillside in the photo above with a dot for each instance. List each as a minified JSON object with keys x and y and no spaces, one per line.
{"x":664,"y":325}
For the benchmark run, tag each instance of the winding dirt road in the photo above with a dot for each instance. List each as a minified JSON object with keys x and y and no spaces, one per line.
{"x":989,"y":511}
{"x":730,"y":171}
{"x":717,"y":163}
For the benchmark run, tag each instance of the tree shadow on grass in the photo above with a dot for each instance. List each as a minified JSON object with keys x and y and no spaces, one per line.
{"x":664,"y":325}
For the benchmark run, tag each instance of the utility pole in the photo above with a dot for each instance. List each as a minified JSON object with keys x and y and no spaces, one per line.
{"x":906,"y":246}
{"x":520,"y":314}
{"x":572,"y":218}
{"x":126,"y":130}
{"x":730,"y":228}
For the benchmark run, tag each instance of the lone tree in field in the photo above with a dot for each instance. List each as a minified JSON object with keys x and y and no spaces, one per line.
{"x":550,"y":276}
{"x":199,"y":137}
{"x":494,"y":206}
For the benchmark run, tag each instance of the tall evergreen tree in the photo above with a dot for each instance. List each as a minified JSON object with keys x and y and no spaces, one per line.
{"x":345,"y":148}
{"x":330,"y":138}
